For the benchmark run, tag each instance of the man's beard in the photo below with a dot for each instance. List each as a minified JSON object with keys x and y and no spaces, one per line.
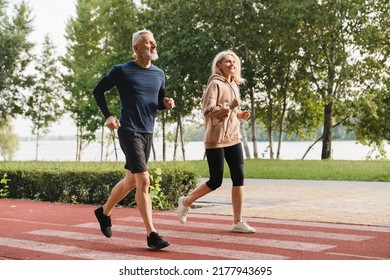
{"x":150,"y":56}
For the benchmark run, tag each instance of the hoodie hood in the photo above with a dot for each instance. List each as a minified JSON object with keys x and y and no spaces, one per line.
{"x":217,"y":77}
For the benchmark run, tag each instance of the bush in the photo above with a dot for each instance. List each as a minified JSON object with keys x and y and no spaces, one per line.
{"x":92,"y":183}
{"x":4,"y":193}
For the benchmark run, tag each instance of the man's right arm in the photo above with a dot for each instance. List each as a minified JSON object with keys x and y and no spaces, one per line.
{"x":104,"y":85}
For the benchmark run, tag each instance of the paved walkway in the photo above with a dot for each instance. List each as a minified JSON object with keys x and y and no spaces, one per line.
{"x":363,"y":203}
{"x":294,"y":219}
{"x":55,"y":231}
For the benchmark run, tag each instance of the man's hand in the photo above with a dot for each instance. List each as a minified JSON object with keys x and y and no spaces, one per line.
{"x":169,"y":103}
{"x":112,"y":122}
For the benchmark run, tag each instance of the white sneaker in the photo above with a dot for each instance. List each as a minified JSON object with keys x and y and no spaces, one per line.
{"x":243,"y":227}
{"x":182,"y":210}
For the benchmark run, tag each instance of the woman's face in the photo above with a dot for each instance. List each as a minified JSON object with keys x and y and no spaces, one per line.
{"x":227,"y":66}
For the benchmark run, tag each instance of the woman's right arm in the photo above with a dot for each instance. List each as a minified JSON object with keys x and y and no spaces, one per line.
{"x":211,"y":102}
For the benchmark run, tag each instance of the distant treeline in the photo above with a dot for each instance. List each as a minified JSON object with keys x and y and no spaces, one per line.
{"x":194,"y":132}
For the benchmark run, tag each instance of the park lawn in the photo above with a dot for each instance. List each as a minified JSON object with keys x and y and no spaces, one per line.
{"x":336,"y":170}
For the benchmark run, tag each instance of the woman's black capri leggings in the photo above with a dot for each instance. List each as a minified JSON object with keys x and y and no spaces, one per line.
{"x":235,"y":160}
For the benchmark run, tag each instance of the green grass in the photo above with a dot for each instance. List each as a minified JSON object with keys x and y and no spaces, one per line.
{"x":337,"y":170}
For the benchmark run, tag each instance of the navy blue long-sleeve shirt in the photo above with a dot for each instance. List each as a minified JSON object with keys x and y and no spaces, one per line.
{"x":141,"y":92}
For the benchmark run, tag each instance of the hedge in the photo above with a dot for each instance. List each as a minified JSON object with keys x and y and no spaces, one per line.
{"x":91,"y":183}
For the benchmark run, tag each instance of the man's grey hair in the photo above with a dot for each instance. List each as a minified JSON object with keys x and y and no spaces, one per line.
{"x":137,"y":35}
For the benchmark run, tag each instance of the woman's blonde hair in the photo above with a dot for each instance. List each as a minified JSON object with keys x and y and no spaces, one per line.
{"x":219,"y":57}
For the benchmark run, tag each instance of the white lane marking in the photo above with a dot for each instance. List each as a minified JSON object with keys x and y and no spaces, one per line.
{"x":356,"y":256}
{"x":32,"y":222}
{"x":274,"y":231}
{"x":226,"y":239}
{"x":280,"y":222}
{"x":70,"y":251}
{"x":198,"y":250}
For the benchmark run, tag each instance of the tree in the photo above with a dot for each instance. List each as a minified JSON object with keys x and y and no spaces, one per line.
{"x":15,"y":58}
{"x":44,"y":105}
{"x":99,"y":37}
{"x":370,"y":119}
{"x":9,"y":141}
{"x":299,"y":58}
{"x":338,"y":46}
{"x":83,"y":50}
{"x":190,"y":34}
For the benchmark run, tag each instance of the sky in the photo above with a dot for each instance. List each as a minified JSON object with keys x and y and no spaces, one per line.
{"x":50,"y":17}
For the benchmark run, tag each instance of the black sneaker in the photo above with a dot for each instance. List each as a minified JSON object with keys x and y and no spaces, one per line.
{"x":155,"y":241}
{"x":104,"y":221}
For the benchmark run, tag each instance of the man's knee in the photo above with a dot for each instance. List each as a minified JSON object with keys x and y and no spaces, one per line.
{"x":142,"y":180}
{"x":129,"y":181}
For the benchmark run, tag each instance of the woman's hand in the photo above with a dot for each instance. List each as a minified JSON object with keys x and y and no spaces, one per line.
{"x":244,"y":115}
{"x":234,"y":104}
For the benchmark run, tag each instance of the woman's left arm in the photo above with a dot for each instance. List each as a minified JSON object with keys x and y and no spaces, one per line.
{"x":245,"y":115}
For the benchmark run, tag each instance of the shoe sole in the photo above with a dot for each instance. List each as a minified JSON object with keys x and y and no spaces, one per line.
{"x":155,"y":248}
{"x":241,"y":231}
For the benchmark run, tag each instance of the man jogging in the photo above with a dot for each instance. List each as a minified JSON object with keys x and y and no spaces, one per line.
{"x":141,"y":87}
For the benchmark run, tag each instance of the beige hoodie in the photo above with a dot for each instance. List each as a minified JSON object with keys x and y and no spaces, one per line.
{"x":222,"y":127}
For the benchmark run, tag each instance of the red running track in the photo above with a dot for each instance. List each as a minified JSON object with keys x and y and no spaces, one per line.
{"x":31,"y":230}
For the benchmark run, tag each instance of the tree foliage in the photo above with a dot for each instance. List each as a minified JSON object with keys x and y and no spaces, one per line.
{"x":15,"y":58}
{"x":99,"y":36}
{"x":9,"y":141}
{"x":309,"y":64}
{"x":338,"y":60}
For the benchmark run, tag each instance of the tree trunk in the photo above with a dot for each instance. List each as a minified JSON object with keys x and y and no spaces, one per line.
{"x":115,"y":149}
{"x":244,"y":140}
{"x":79,"y":148}
{"x":253,"y":124}
{"x":37,"y":145}
{"x":78,"y":144}
{"x":281,"y":124}
{"x":283,"y":115}
{"x":328,"y":108}
{"x":175,"y":144}
{"x":270,"y":131}
{"x":163,"y":136}
{"x":154,"y":151}
{"x":320,"y":138}
{"x":327,"y":135}
{"x":182,"y":141}
{"x":102,"y":145}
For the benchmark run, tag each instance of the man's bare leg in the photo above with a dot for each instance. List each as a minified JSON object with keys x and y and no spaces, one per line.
{"x":143,"y":199}
{"x":119,"y":192}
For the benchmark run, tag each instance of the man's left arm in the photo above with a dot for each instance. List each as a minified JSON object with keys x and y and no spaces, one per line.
{"x":164,"y":102}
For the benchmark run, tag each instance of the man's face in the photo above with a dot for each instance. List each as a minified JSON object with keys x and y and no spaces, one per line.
{"x":147,"y":47}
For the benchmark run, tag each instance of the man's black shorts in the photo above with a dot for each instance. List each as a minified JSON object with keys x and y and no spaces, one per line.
{"x":136,"y":147}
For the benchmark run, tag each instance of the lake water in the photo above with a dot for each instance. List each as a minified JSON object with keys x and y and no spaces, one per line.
{"x":65,"y":150}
